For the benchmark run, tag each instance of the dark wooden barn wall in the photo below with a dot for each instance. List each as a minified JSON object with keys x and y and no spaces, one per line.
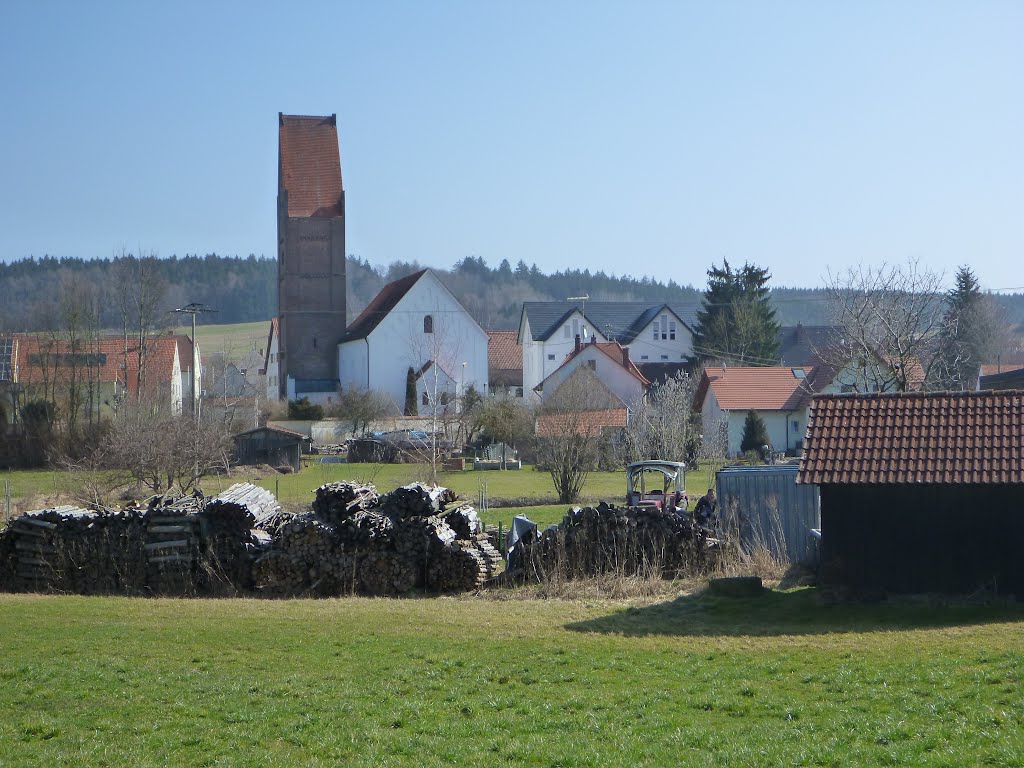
{"x":923,"y":538}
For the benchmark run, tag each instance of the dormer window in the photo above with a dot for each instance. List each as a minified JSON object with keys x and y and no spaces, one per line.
{"x":428,"y":323}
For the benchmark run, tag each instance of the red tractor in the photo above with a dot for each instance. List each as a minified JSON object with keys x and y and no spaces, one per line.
{"x":660,"y":484}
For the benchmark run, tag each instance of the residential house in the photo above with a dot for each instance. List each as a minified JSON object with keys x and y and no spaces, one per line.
{"x":778,"y":395}
{"x":92,"y":376}
{"x":611,"y":366}
{"x":920,"y":492}
{"x":415,"y":322}
{"x":271,"y":369}
{"x":654,"y":333}
{"x":807,"y":345}
{"x":504,"y":363}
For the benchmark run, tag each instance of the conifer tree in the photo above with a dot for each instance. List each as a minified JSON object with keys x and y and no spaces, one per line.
{"x":755,"y":433}
{"x":969,"y":333}
{"x":736,"y":321}
{"x":411,"y":406}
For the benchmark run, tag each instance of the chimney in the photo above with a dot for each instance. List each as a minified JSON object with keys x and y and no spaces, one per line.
{"x":625,"y":357}
{"x":579,"y":344}
{"x":593,"y":339}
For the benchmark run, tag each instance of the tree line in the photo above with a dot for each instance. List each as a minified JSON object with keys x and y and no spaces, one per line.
{"x":244,"y":289}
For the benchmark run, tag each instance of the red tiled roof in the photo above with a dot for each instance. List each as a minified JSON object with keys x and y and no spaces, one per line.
{"x":755,"y":389}
{"x":915,"y":437}
{"x":37,"y":357}
{"x":503,"y":351}
{"x":380,"y":306}
{"x":310,"y":166}
{"x":612,"y":349}
{"x":584,"y":423}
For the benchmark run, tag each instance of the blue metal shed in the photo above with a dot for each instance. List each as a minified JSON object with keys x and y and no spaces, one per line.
{"x":770,"y":508}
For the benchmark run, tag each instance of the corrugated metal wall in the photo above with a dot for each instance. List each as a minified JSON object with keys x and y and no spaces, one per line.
{"x":770,"y":507}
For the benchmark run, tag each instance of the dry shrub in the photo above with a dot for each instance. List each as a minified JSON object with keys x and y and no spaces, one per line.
{"x":752,"y":550}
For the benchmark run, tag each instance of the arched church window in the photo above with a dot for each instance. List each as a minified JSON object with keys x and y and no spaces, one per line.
{"x":428,"y":323}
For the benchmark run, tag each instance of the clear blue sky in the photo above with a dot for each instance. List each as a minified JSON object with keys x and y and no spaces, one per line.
{"x":637,"y":138}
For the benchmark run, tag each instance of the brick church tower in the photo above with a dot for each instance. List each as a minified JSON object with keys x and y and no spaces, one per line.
{"x":310,"y":254}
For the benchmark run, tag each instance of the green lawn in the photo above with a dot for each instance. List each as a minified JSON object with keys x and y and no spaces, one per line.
{"x":235,"y":339}
{"x":778,"y":680}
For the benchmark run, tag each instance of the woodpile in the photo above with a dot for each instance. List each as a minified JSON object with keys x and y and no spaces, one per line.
{"x":173,"y":545}
{"x":354,"y":541}
{"x":605,"y":539}
{"x":359,"y":541}
{"x":73,"y":550}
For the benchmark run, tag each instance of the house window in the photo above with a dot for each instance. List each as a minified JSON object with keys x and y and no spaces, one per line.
{"x":664,"y":357}
{"x":592,"y":365}
{"x":565,"y":331}
{"x":655,"y":337}
{"x":575,"y":327}
{"x":426,"y":398}
{"x":428,"y":323}
{"x":796,"y":426}
{"x":551,"y":357}
{"x":664,"y":327}
{"x":643,"y":357}
{"x":672,"y":329}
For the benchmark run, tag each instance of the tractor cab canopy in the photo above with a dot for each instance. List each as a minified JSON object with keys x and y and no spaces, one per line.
{"x":659,"y":484}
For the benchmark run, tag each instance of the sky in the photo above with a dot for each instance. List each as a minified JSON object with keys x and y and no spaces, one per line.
{"x":640,"y":138}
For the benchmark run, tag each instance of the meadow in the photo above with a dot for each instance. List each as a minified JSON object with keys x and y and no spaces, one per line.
{"x":784,"y":679}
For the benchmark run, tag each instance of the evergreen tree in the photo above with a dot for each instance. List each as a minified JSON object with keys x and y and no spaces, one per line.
{"x":755,"y":433}
{"x":736,"y":321}
{"x":411,"y":404}
{"x":970,"y":333}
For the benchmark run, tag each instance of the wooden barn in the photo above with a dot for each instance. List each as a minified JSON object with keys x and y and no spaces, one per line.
{"x":920,"y":492}
{"x":270,"y":445}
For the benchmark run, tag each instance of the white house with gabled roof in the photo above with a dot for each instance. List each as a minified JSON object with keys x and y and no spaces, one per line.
{"x":414,"y":322}
{"x":653,"y":333}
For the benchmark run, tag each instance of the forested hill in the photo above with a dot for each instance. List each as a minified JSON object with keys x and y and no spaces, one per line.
{"x":244,"y":289}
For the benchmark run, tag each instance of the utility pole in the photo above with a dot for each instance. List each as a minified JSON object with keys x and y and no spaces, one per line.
{"x":194,"y":309}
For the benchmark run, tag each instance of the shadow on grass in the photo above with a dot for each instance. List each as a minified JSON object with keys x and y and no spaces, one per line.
{"x":797,"y":612}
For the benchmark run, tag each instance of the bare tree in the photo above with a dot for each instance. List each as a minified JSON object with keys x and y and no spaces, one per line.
{"x":139,"y":289}
{"x":664,"y":425}
{"x":569,"y":435}
{"x":508,"y":420}
{"x":162,"y":449}
{"x":360,"y":407}
{"x":890,"y":319}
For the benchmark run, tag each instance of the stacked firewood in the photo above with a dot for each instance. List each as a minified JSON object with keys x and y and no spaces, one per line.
{"x":608,"y":539}
{"x":74,"y":550}
{"x":357,"y":540}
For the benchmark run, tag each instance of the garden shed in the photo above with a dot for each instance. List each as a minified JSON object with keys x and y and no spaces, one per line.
{"x":920,"y":492}
{"x":270,"y":445}
{"x":770,"y":509}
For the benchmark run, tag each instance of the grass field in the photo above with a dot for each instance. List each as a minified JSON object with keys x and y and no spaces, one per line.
{"x":778,"y":680}
{"x":235,"y":339}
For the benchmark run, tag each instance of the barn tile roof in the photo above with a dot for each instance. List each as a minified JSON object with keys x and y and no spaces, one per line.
{"x":617,"y":320}
{"x":915,"y":437}
{"x":380,"y":306}
{"x":42,"y":360}
{"x":756,"y":389}
{"x":504,"y":359}
{"x":310,"y":165}
{"x":585,"y":423}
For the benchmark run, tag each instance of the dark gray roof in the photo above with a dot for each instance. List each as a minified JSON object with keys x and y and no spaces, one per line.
{"x":619,"y":321}
{"x":806,"y":345}
{"x":1003,"y":381}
